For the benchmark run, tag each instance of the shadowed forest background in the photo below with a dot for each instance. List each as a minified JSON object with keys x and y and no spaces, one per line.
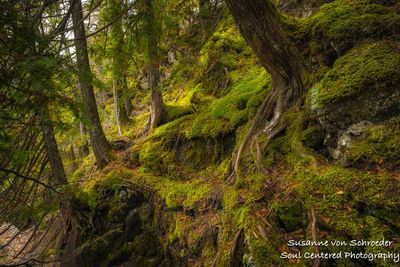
{"x":198,"y":132}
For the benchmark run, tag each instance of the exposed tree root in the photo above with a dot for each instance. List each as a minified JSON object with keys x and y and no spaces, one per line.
{"x":237,"y":249}
{"x":268,"y":121}
{"x":260,"y":24}
{"x":317,"y":261}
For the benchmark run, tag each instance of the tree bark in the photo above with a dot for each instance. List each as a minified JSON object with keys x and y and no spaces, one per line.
{"x":259,"y":23}
{"x":119,"y":66}
{"x":119,"y":105}
{"x":72,"y":158}
{"x":157,"y":111}
{"x":128,"y":102}
{"x":84,"y":146}
{"x":205,"y":14}
{"x":98,"y":140}
{"x":53,"y":154}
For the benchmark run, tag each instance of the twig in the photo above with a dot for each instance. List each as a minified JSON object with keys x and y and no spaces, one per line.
{"x":28,"y":178}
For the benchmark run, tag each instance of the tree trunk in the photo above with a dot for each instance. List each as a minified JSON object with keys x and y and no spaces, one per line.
{"x":205,"y":15}
{"x":72,"y":158}
{"x":157,"y":104}
{"x":259,"y":23}
{"x":119,"y":105}
{"x":157,"y":111}
{"x":119,"y":66}
{"x":53,"y":154}
{"x":84,"y":146}
{"x":128,"y":102}
{"x":67,"y":212}
{"x":98,"y":140}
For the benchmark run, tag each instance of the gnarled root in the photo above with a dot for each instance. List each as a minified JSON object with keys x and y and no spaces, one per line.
{"x":269,"y":121}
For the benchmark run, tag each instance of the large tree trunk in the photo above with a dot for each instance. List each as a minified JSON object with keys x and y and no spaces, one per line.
{"x":259,"y":23}
{"x":101,"y":146}
{"x":53,"y":154}
{"x":157,"y":111}
{"x":119,"y":66}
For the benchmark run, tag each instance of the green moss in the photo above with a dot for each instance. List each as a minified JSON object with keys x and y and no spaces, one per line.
{"x":175,"y":112}
{"x":343,"y":22}
{"x":377,"y":143}
{"x":218,"y":92}
{"x":225,"y":114}
{"x":264,"y":254}
{"x":116,"y":178}
{"x":85,"y":167}
{"x":337,"y":192}
{"x":368,"y":65}
{"x":154,"y":157}
{"x":172,"y":129}
{"x":221,"y":54}
{"x":291,"y":215}
{"x":89,"y":194}
{"x":177,"y":232}
{"x":183,"y":195}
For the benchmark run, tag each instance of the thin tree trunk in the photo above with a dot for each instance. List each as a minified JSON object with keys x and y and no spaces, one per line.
{"x":119,"y":66}
{"x":119,"y":106}
{"x":72,"y":158}
{"x":259,"y":23}
{"x":157,"y":103}
{"x":98,"y":140}
{"x":50,"y":143}
{"x":67,"y":211}
{"x":157,"y":111}
{"x":205,"y":16}
{"x":128,"y":102}
{"x":84,"y":146}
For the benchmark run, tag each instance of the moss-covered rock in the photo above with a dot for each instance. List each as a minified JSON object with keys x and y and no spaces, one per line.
{"x":342,"y":24}
{"x":124,"y":226}
{"x":371,"y":144}
{"x":362,"y":85}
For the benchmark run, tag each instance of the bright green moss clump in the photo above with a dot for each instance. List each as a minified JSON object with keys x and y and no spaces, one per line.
{"x":175,"y":112}
{"x":185,"y":195}
{"x":225,"y":114}
{"x":366,"y":66}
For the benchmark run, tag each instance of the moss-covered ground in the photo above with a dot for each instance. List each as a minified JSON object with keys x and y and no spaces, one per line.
{"x":211,"y":101}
